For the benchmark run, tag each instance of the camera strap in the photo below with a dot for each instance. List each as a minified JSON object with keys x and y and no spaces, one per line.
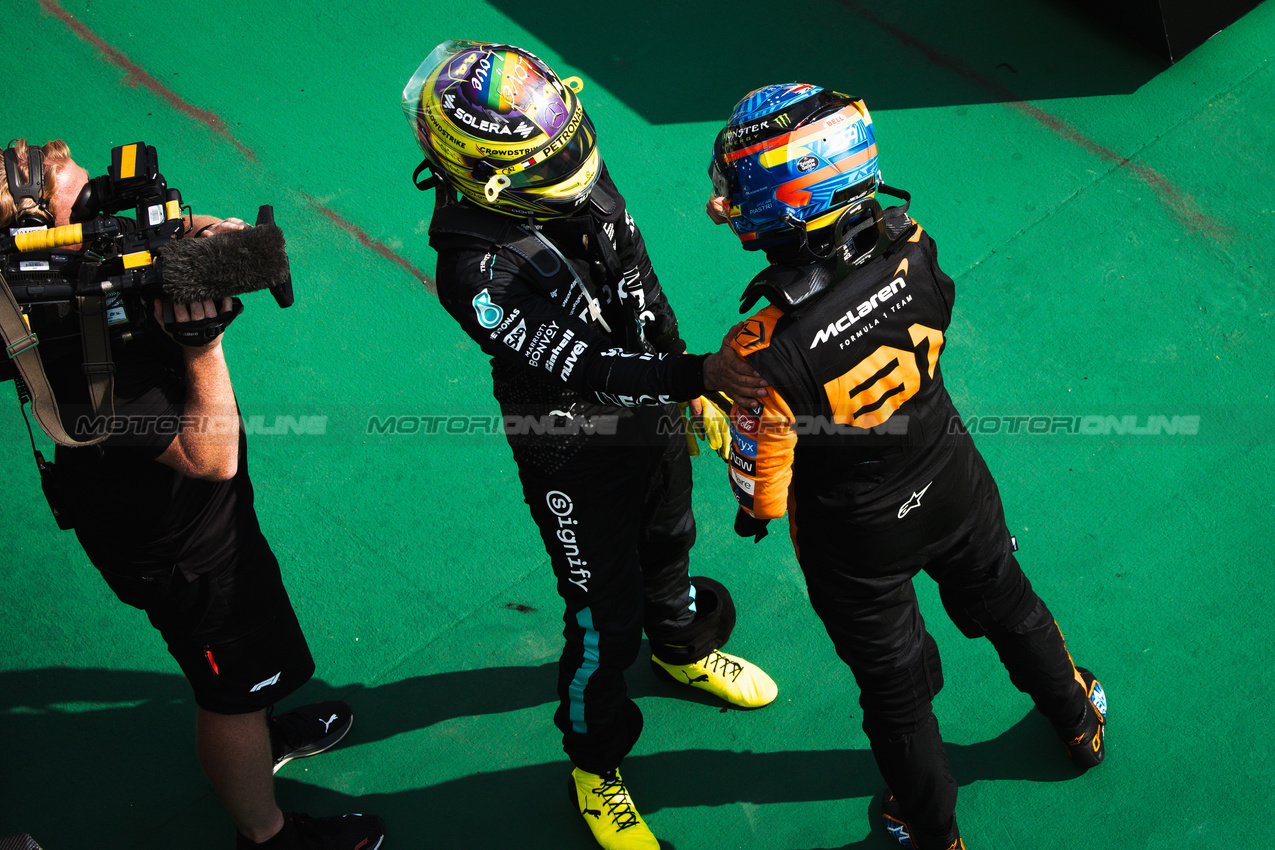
{"x":21,"y":346}
{"x":99,"y":368}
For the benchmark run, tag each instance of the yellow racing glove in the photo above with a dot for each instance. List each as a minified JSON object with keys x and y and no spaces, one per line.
{"x":713,"y":426}
{"x":716,"y":425}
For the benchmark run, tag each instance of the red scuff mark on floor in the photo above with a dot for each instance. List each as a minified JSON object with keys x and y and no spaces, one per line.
{"x":136,"y":75}
{"x":1179,"y":204}
{"x":367,"y":241}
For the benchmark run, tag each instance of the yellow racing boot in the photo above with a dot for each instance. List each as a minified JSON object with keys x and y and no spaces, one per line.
{"x":724,"y":676}
{"x":608,"y":810}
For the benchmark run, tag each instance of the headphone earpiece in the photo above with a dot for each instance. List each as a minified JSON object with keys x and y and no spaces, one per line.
{"x":33,"y":190}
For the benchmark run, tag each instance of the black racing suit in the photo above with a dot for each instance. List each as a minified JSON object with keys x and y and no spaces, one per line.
{"x":587,"y":394}
{"x":859,"y":441}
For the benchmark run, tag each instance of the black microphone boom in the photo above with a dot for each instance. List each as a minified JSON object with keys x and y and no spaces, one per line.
{"x":231,"y":263}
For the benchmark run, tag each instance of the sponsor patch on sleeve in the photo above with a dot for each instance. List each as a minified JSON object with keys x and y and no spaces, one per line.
{"x":489,"y":314}
{"x":745,"y":446}
{"x":747,"y":424}
{"x":515,"y":338}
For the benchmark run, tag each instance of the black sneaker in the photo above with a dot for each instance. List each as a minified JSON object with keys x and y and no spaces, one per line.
{"x":308,"y":730}
{"x":1086,"y":743}
{"x":897,"y":826}
{"x":302,"y":832}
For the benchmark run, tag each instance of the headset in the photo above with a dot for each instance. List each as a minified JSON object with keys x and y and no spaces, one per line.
{"x":28,"y":218}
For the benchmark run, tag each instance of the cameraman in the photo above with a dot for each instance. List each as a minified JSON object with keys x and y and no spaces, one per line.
{"x":164,"y":510}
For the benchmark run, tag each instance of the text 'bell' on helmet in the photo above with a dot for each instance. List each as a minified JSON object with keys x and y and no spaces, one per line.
{"x":791,"y":158}
{"x":502,"y":129}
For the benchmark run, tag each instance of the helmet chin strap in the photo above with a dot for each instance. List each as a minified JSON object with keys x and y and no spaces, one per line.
{"x":433,"y":180}
{"x":804,"y":247}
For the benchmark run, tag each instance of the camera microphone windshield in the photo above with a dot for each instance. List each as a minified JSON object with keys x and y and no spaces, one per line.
{"x":226,"y":264}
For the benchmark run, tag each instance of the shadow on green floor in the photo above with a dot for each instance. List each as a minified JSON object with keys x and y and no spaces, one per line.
{"x":687,"y":62}
{"x":78,"y":730}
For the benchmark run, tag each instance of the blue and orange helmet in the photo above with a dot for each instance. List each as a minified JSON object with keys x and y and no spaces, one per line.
{"x":790,"y":160}
{"x":500,"y":127}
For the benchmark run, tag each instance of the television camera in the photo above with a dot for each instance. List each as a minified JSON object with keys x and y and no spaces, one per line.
{"x":105,"y":261}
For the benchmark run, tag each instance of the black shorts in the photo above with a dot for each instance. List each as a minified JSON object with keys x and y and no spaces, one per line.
{"x":232,"y":630}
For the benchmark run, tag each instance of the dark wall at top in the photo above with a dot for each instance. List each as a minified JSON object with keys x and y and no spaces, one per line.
{"x":674,"y":61}
{"x":1172,"y":28}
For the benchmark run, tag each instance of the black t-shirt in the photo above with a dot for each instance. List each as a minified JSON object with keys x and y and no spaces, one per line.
{"x":133,"y":514}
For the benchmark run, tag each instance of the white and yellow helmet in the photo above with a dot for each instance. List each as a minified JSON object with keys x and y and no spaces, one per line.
{"x":501,"y":128}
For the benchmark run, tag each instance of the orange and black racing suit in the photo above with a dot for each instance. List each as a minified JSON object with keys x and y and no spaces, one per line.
{"x":860,"y":443}
{"x":586,"y":363}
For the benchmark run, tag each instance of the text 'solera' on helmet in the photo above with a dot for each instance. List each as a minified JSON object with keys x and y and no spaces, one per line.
{"x":791,"y":158}
{"x":502,"y":129}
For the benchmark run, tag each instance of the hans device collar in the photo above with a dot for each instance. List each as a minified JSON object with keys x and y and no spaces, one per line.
{"x":864,"y":231}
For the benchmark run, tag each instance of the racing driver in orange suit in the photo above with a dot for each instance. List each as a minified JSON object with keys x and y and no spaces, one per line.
{"x":859,"y":442}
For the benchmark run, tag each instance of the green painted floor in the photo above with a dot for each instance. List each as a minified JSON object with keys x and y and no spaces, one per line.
{"x":1107,"y":219}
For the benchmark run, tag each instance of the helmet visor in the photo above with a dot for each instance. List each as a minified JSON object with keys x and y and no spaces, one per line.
{"x":542,"y":169}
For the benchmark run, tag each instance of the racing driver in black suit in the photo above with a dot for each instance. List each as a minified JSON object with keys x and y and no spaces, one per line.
{"x":859,"y":442}
{"x":541,"y":264}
